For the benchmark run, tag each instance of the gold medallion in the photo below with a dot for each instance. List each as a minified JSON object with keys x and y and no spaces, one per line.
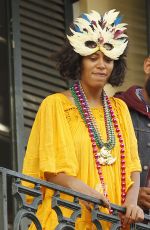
{"x":105,"y":157}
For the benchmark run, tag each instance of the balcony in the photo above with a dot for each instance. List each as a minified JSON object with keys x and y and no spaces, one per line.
{"x":12,"y":194}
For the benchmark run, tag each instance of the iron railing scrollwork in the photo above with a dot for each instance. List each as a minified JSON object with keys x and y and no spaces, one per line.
{"x":28,"y":210}
{"x":64,"y":222}
{"x":115,"y":220}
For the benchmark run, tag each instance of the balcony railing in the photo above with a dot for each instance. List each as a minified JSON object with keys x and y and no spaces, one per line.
{"x":12,"y":193}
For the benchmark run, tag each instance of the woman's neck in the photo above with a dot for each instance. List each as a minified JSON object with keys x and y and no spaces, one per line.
{"x":93,"y":95}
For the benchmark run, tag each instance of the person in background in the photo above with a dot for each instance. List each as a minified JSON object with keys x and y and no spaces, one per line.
{"x":81,"y":139}
{"x":137,"y":99}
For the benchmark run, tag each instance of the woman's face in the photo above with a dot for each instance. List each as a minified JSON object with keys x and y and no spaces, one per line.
{"x":96,"y":69}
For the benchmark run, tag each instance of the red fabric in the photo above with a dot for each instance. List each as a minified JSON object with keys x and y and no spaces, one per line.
{"x":132,"y":101}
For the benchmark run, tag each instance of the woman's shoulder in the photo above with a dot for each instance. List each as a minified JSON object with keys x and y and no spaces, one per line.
{"x":62,"y":98}
{"x":119,"y":105}
{"x":118,"y":102}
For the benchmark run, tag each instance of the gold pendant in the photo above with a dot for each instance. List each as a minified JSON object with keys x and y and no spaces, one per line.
{"x":105,"y":157}
{"x":101,"y":188}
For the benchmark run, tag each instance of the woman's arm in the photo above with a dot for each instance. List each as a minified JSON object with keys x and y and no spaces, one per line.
{"x":133,"y":212}
{"x":76,"y":185}
{"x":132,"y":194}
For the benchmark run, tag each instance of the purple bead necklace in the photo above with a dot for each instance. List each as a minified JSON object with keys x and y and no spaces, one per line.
{"x":86,"y":114}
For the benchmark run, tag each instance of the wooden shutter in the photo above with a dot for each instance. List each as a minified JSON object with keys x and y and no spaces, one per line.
{"x":38,"y":29}
{"x":42,"y":32}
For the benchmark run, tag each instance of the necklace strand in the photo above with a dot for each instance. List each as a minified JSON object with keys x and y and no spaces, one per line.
{"x":110,"y":143}
{"x":86,"y":114}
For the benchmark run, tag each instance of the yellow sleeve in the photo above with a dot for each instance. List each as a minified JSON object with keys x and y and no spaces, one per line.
{"x":50,"y":146}
{"x":133,"y":161}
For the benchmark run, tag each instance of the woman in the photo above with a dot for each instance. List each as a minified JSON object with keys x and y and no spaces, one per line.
{"x":81,"y":139}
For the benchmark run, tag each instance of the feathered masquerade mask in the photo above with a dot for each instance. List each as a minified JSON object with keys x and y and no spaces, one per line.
{"x":93,"y":32}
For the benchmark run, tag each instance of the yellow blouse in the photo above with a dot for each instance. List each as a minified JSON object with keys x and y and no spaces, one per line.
{"x":59,"y":142}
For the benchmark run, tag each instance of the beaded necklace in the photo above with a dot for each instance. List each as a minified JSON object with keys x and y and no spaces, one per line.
{"x":110,"y":143}
{"x":103,"y":157}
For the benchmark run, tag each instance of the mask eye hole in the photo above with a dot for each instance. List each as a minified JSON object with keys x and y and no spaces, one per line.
{"x":108,"y":46}
{"x":90,"y":44}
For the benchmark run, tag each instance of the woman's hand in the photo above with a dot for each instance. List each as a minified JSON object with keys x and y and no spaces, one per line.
{"x":133,"y":214}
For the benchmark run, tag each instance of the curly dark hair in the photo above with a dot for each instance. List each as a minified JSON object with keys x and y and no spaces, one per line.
{"x":69,"y":65}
